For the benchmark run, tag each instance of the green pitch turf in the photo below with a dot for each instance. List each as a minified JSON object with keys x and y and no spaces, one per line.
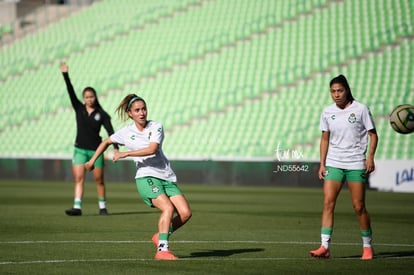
{"x":234,"y":230}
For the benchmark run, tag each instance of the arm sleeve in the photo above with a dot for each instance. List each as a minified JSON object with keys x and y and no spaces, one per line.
{"x":367,"y":119}
{"x":157,"y":135}
{"x":108,"y":127}
{"x":118,"y":137}
{"x":323,"y":125}
{"x":73,"y":99}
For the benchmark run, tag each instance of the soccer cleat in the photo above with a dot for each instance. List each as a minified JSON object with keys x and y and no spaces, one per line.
{"x":155,"y":239}
{"x":74,"y":212}
{"x":103,"y":212}
{"x":321,"y":252}
{"x":165,"y":255}
{"x":367,"y":254}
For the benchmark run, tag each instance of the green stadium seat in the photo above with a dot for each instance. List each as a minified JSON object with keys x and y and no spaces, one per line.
{"x":248,"y":74}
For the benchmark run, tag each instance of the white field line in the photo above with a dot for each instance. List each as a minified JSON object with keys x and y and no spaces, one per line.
{"x":187,"y":259}
{"x":193,"y":242}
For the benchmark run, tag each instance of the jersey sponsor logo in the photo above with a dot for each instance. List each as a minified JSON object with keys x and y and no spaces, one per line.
{"x":352,"y":118}
{"x":333,"y":117}
{"x":132,"y":137}
{"x":149,"y":135}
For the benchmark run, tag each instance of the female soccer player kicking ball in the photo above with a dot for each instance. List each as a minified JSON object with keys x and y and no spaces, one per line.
{"x":155,"y":180}
{"x":346,"y":126}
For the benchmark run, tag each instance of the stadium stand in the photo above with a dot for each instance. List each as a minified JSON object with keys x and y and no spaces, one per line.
{"x":229,"y":79}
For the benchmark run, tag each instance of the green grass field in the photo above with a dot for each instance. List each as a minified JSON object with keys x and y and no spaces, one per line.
{"x":234,"y":230}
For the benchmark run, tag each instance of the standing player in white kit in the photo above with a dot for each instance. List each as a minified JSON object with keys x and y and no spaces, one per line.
{"x":346,"y":126}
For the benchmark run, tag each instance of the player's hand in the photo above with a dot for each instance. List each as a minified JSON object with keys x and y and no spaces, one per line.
{"x":370,"y":166}
{"x":117,"y":155}
{"x":64,"y":67}
{"x":322,"y":172}
{"x":89,"y":166}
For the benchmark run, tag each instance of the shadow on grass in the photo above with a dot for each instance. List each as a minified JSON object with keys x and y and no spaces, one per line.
{"x":383,"y":255}
{"x":128,"y":213}
{"x":223,"y":253}
{"x":395,"y":254}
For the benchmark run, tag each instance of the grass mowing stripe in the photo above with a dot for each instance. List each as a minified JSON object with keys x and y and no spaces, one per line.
{"x":196,"y":242}
{"x":194,"y":259}
{"x":234,"y":230}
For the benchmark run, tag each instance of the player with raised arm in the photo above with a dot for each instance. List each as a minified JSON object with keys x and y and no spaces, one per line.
{"x":90,"y":117}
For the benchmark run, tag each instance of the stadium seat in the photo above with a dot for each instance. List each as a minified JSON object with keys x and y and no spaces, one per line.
{"x":233,"y":77}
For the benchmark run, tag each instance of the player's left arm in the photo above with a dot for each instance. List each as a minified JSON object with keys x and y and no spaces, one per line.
{"x":109,"y":128}
{"x":368,"y":121}
{"x":99,"y":151}
{"x":373,"y":142}
{"x":150,"y":150}
{"x":156,"y":137}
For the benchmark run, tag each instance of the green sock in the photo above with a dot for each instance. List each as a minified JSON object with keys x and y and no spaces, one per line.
{"x":163,"y":236}
{"x":366,"y":233}
{"x":366,"y":238}
{"x":326,"y":231}
{"x":77,"y":204}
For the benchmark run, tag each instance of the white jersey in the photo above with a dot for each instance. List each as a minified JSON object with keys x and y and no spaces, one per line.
{"x":155,"y":165}
{"x":348,"y":130}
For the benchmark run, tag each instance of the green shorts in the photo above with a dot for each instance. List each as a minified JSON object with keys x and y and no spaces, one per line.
{"x":150,"y":188}
{"x":338,"y":174}
{"x":81,"y":156}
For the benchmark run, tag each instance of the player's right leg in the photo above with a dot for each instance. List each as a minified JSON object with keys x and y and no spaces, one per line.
{"x":79,"y":177}
{"x":78,"y":170}
{"x":98,"y":175}
{"x":356,"y":184}
{"x":163,"y":203}
{"x":152,"y":192}
{"x":331,"y":188}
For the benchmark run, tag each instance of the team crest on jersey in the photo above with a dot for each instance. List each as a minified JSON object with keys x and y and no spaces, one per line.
{"x":352,"y":118}
{"x":333,"y":117}
{"x":132,"y":137}
{"x":149,"y":135}
{"x":97,"y":117}
{"x":155,"y":189}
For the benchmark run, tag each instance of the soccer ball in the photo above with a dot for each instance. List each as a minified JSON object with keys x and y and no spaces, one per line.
{"x":402,"y":119}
